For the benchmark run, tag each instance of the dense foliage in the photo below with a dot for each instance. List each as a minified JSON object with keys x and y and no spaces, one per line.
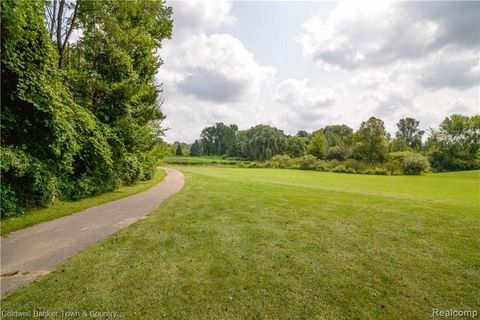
{"x":90,"y":122}
{"x":454,"y":146}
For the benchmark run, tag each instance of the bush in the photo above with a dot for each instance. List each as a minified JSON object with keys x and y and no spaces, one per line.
{"x":380,"y":171}
{"x":25,"y":182}
{"x":9,"y":204}
{"x":343,"y":169}
{"x":281,"y":161}
{"x":308,"y":162}
{"x":132,"y":169}
{"x":336,"y":152}
{"x":414,"y":164}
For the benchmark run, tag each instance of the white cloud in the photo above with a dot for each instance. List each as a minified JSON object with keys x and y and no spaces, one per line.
{"x":297,"y":94}
{"x":358,"y":34}
{"x":465,"y":106}
{"x":195,"y":16}
{"x":217,"y":68}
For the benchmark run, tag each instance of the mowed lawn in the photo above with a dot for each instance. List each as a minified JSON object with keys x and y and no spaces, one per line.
{"x":283,"y":244}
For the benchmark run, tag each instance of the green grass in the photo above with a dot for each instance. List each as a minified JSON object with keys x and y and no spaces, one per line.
{"x":198,"y":160}
{"x":65,"y":208}
{"x":283,"y":244}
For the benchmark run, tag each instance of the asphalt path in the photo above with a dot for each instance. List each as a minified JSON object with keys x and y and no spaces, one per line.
{"x":35,"y":251}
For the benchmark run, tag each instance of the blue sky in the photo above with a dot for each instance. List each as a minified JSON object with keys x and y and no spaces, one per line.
{"x":303,"y":65}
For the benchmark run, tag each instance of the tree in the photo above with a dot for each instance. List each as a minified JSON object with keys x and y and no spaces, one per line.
{"x":338,"y":135}
{"x":303,"y":134}
{"x":112,"y":74}
{"x":219,"y":139}
{"x":371,"y":141}
{"x":455,"y":145}
{"x":51,"y":146}
{"x":61,"y":19}
{"x":408,"y":130}
{"x":336,"y":152}
{"x":81,"y":123}
{"x":263,"y":142}
{"x":295,"y":146}
{"x":196,"y":149}
{"x":318,"y":145}
{"x":398,"y":144}
{"x":339,"y":141}
{"x":179,"y":151}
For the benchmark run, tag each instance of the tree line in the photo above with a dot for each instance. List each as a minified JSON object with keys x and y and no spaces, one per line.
{"x":454,"y":145}
{"x":83,"y":118}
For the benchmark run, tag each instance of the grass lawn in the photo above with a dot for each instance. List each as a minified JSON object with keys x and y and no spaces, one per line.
{"x":283,"y":244}
{"x":65,"y":208}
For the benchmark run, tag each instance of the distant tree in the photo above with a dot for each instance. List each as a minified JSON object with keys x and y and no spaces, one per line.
{"x":179,"y":151}
{"x":240,"y":148}
{"x":303,"y":134}
{"x":219,"y":139}
{"x":398,"y":144}
{"x":263,"y":142}
{"x":336,"y":152}
{"x":338,"y":135}
{"x":231,"y":139}
{"x":456,"y":144}
{"x":340,"y":140}
{"x":196,"y":149}
{"x":371,"y":141}
{"x":318,"y":145}
{"x":409,"y":131}
{"x":295,"y":146}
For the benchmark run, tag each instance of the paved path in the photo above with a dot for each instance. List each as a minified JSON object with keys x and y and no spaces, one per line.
{"x":29,"y":253}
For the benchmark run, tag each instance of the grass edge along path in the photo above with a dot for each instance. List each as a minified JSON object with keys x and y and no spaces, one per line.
{"x":64,"y":208}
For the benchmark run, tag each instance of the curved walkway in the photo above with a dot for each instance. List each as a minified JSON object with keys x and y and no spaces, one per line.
{"x":29,"y":253}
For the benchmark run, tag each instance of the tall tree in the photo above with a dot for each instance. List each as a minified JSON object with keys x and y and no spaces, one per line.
{"x":339,"y":141}
{"x":95,"y":124}
{"x":303,"y":134}
{"x":456,"y":144}
{"x":408,"y":130}
{"x":295,"y":146}
{"x":62,"y":20}
{"x":219,"y":139}
{"x":371,"y":141}
{"x":263,"y":142}
{"x":318,"y":145}
{"x":51,"y":146}
{"x":196,"y":149}
{"x":179,"y":151}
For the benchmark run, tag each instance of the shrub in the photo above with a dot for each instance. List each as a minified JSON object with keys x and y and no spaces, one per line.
{"x":131,"y":169}
{"x":25,"y":182}
{"x":343,"y":169}
{"x":9,"y":204}
{"x":308,"y":162}
{"x":415,"y":163}
{"x":380,"y":171}
{"x":321,"y":165}
{"x":281,"y":161}
{"x":336,"y":152}
{"x":398,"y":155}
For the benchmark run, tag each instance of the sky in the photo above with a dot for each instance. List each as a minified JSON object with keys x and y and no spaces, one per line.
{"x":303,"y":65}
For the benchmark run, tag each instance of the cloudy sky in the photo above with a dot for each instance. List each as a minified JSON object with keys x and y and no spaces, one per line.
{"x":303,"y":65}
